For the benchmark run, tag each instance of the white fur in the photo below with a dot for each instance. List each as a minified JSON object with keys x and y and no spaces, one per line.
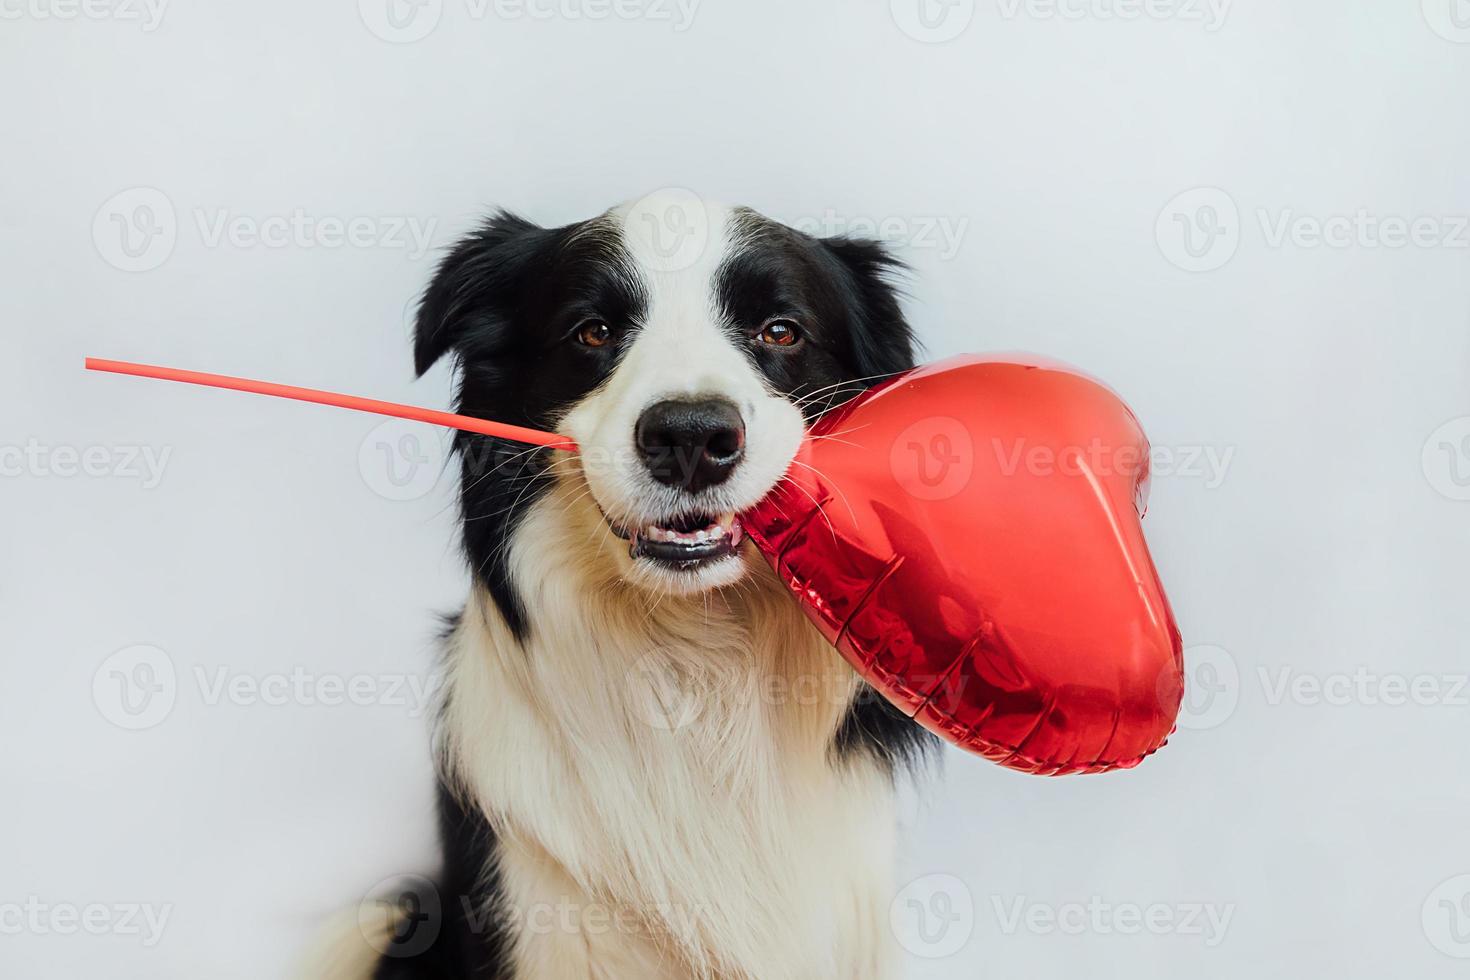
{"x":681,"y":350}
{"x":717,"y":821}
{"x":656,"y":757}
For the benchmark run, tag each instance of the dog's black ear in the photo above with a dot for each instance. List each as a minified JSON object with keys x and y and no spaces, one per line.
{"x":883,"y":340}
{"x":474,"y":287}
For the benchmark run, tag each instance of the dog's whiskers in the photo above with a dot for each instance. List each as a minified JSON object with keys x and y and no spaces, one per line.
{"x":827,"y":481}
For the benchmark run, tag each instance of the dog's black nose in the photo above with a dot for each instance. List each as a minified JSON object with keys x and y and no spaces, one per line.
{"x":691,"y":444}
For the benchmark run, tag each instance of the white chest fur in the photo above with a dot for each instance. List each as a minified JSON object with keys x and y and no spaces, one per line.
{"x":660,"y":777}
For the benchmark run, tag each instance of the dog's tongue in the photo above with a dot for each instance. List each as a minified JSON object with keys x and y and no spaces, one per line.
{"x":972,"y":545}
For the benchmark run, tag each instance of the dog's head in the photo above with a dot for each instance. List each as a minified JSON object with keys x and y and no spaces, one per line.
{"x":684,"y":346}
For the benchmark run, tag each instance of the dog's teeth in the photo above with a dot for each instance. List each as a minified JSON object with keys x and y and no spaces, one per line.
{"x":726,"y":527}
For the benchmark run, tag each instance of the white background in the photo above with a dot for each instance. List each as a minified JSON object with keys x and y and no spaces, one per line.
{"x":1329,"y":828}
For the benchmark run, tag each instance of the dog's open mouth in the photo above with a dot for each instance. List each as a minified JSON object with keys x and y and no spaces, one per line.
{"x":685,"y":543}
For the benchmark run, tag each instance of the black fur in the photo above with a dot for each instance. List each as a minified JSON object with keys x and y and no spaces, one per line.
{"x":838,"y":289}
{"x":504,"y":303}
{"x":890,"y":737}
{"x":469,"y":942}
{"x":841,"y":292}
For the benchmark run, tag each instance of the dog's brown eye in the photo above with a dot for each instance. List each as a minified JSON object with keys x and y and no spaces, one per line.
{"x":780,"y":333}
{"x":594,"y":333}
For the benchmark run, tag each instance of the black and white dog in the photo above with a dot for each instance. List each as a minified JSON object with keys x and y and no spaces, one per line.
{"x":653,"y":767}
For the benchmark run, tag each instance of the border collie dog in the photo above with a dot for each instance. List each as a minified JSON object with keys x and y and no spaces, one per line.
{"x":652,"y":766}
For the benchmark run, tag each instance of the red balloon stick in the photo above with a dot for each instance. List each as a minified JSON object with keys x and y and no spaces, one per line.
{"x":468,"y":423}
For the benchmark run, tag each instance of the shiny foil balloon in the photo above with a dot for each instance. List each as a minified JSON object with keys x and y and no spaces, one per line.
{"x":968,"y":536}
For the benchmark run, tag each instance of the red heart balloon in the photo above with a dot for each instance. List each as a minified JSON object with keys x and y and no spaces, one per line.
{"x":967,"y":535}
